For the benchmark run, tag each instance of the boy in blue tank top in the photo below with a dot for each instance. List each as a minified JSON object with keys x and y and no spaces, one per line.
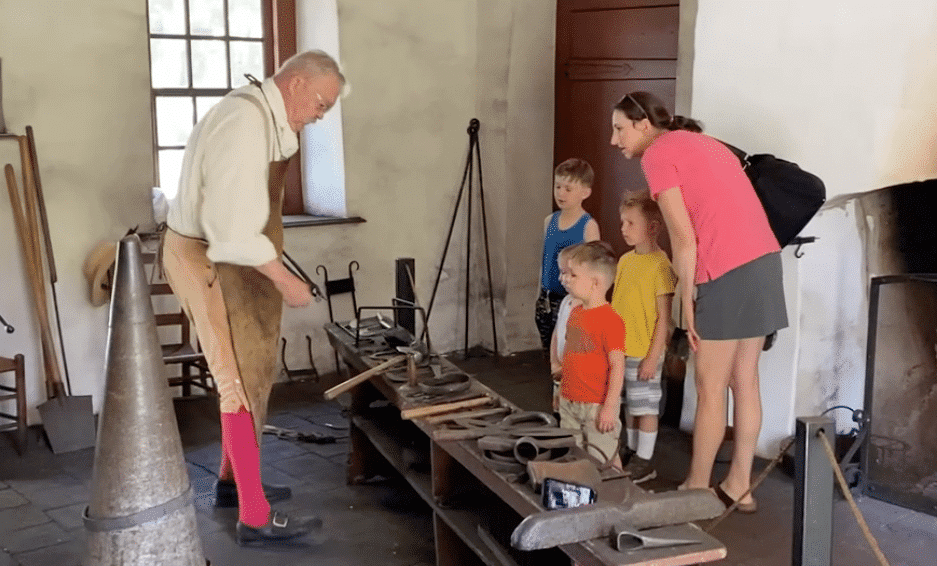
{"x":572,"y":184}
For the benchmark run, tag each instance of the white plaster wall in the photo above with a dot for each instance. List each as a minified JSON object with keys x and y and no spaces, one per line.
{"x":80,"y":78}
{"x":845,"y":89}
{"x":515,"y":106}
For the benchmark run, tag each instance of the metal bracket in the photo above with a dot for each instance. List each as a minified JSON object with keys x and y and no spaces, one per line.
{"x":302,"y":374}
{"x":800,"y":241}
{"x":6,"y":325}
{"x":398,"y":304}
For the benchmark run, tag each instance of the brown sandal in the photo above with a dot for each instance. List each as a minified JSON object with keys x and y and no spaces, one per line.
{"x":747,"y":508}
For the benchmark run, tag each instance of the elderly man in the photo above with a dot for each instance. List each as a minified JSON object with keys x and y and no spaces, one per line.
{"x":221,"y":256}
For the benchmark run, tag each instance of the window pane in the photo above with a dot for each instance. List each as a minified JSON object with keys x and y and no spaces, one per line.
{"x":246,"y":57}
{"x":167,"y":16}
{"x":209,"y":69}
{"x":168,"y":63}
{"x":173,"y":119}
{"x":170,"y":165}
{"x":244,"y":19}
{"x":203,"y":104}
{"x":206,"y":17}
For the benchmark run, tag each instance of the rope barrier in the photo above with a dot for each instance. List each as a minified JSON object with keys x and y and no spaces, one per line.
{"x":852,"y":503}
{"x":785,"y":446}
{"x":840,"y":480}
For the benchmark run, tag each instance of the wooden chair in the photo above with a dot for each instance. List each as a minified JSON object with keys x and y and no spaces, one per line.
{"x":15,"y":392}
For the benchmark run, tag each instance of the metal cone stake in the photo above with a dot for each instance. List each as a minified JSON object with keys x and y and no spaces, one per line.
{"x":141,"y":508}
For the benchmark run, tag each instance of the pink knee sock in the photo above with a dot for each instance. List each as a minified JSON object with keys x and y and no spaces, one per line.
{"x":240,"y":445}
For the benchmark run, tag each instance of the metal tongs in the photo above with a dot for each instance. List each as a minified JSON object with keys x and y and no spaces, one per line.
{"x":296,"y":270}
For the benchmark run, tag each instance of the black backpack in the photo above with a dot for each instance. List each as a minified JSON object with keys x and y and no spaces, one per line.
{"x":790,"y":195}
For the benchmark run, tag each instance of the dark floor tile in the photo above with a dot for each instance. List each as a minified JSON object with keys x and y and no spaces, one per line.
{"x":7,"y":560}
{"x":52,"y":497}
{"x":329,"y":450}
{"x":65,"y":554}
{"x":308,"y":466}
{"x":21,"y":517}
{"x":70,"y":517}
{"x":282,"y":449}
{"x":33,"y":538}
{"x":207,"y":455}
{"x":11,"y":498}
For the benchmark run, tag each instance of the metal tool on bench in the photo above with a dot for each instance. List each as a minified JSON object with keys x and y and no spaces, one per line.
{"x":496,"y":411}
{"x":388,"y":330}
{"x":626,"y":538}
{"x":521,"y":423}
{"x":567,"y":526}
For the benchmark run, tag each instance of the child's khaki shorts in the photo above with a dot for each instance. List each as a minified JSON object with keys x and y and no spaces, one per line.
{"x":581,"y":417}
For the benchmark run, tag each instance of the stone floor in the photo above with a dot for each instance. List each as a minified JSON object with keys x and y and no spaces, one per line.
{"x":42,"y":495}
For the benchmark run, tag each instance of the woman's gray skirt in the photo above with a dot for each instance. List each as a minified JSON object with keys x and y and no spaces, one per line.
{"x":743,"y":303}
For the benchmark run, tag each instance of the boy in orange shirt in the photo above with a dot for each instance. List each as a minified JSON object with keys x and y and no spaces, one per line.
{"x":594,"y":357}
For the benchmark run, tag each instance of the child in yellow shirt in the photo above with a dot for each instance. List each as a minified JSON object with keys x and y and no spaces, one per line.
{"x":643,"y":295}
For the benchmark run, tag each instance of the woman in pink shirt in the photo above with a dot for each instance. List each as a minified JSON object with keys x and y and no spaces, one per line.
{"x":729,"y":269}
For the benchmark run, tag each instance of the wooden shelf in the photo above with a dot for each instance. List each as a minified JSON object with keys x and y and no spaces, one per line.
{"x":390,"y":448}
{"x":464,"y":522}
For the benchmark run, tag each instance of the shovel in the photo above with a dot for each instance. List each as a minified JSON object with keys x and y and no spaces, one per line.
{"x":68,"y":421}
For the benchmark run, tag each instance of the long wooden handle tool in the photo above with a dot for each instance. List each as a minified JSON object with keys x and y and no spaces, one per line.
{"x":362,"y":377}
{"x":34,"y":274}
{"x":428,"y":410}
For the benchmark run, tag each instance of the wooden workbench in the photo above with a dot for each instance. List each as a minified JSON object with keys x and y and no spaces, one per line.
{"x":474,"y":508}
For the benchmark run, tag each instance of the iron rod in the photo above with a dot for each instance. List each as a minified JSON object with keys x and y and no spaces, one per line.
{"x":468,"y":238}
{"x":491,"y":294}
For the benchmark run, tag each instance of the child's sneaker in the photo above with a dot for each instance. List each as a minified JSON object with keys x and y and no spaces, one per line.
{"x":625,"y":454}
{"x":640,"y":470}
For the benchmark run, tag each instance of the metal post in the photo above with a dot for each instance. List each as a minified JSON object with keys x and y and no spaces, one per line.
{"x":813,"y":493}
{"x":406,"y":317}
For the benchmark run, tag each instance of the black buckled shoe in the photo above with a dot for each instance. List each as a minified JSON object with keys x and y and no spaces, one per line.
{"x":279,"y":527}
{"x":226,"y":493}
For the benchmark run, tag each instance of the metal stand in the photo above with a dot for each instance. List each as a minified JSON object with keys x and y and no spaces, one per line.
{"x":474,"y":155}
{"x":813,"y":493}
{"x":405,"y":270}
{"x":302,"y":374}
{"x":337,"y":287}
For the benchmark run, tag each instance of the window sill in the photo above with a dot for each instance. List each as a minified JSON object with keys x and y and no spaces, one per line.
{"x":294,"y":220}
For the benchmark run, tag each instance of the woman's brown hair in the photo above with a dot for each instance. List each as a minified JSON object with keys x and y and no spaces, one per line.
{"x":639,"y":105}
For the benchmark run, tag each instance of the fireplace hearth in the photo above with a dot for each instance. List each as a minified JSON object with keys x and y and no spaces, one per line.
{"x":899,"y":461}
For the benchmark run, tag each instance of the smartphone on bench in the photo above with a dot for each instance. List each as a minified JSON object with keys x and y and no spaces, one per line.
{"x":563,"y":495}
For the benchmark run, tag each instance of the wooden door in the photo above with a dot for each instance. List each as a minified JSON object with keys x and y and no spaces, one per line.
{"x":605,"y":49}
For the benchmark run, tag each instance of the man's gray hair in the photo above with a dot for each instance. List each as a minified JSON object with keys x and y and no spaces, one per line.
{"x":312,"y":63}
